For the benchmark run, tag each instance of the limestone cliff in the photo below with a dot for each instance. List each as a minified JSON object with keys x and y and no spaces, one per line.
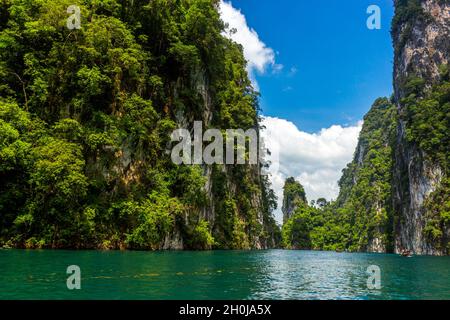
{"x":421,"y":36}
{"x":293,"y":197}
{"x":89,"y":165}
{"x":365,"y":187}
{"x":394,"y":196}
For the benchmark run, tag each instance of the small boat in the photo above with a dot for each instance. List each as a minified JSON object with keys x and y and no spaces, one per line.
{"x":406,"y":253}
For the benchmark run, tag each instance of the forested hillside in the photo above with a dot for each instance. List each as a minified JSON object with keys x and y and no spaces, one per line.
{"x":361,"y":218}
{"x":85,"y":122}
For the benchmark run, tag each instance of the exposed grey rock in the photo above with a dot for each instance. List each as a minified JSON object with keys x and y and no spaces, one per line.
{"x":424,"y":51}
{"x":293,"y":197}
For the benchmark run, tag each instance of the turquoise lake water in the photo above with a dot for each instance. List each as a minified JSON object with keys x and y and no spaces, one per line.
{"x":273,"y":274}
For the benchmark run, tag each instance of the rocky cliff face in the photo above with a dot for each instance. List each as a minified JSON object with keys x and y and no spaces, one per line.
{"x":365,"y":187}
{"x":420,"y":32}
{"x":212,"y":210}
{"x":395,"y":192}
{"x":293,"y":197}
{"x":421,"y":35}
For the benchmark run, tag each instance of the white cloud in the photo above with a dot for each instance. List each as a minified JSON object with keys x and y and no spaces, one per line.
{"x":316,"y":160}
{"x":257,"y":54}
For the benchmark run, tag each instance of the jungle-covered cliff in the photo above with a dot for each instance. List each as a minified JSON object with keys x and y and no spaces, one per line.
{"x":421,"y":34}
{"x":294,"y":196}
{"x":85,"y":121}
{"x":395,"y":194}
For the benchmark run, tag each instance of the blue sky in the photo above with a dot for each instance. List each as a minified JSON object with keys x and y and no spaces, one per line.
{"x":334,"y":67}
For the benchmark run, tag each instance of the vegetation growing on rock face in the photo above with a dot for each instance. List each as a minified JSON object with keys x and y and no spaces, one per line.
{"x":362,"y":211}
{"x":363,"y":218}
{"x":294,"y":196}
{"x":296,"y":216}
{"x":394,"y":195}
{"x":427,"y":122}
{"x":407,"y":12}
{"x":366,"y":197}
{"x":86,"y":117}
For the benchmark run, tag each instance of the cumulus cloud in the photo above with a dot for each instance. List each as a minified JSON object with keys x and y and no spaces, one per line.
{"x":316,"y":160}
{"x":257,"y":54}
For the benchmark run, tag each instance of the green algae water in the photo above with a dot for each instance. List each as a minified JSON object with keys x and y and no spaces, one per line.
{"x":273,"y":274}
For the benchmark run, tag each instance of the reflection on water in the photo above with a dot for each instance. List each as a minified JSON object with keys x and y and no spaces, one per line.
{"x":274,"y":274}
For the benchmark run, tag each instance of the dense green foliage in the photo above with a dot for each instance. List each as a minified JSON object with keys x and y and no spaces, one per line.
{"x":362,"y":211}
{"x":365,"y":200}
{"x":86,"y":117}
{"x":427,"y":122}
{"x":363,"y":217}
{"x":295,"y":215}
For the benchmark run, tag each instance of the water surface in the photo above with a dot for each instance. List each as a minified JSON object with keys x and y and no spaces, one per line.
{"x":273,"y":274}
